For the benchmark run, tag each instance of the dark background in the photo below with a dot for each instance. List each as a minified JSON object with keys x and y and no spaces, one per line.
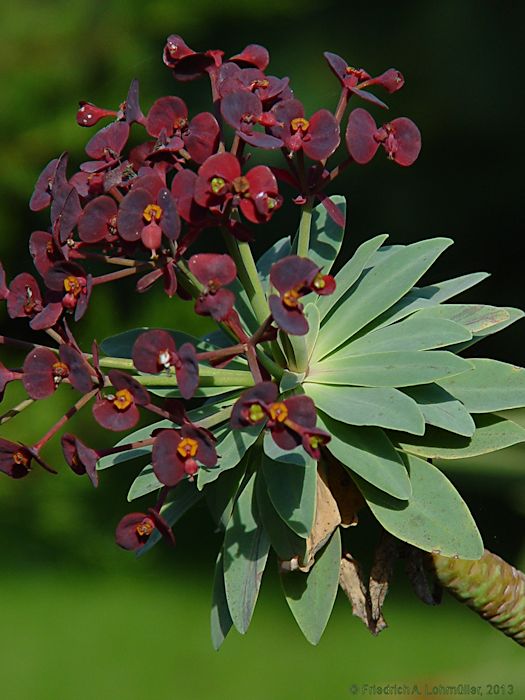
{"x":463,"y":65}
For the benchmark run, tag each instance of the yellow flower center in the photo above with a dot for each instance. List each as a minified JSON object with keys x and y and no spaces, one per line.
{"x":255,"y":413}
{"x":217,"y":185}
{"x":300,"y":124}
{"x":187,"y":447}
{"x":145,"y":527}
{"x":20,"y":458}
{"x":291,"y":298}
{"x":72,"y":285}
{"x":319,"y":281}
{"x":241,"y":186}
{"x":123,"y":399}
{"x":152,"y":211}
{"x":278,"y":411}
{"x":60,"y":371}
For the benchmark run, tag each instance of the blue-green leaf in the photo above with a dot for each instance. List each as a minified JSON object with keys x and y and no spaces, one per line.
{"x":368,"y":452}
{"x":127,"y":455}
{"x":489,"y":386}
{"x":441,"y":409}
{"x":231,"y":447}
{"x":414,"y":333}
{"x":292,"y":489}
{"x":245,"y":552}
{"x":377,"y":291}
{"x":425,"y":297}
{"x":435,"y":518}
{"x":121,"y":345}
{"x":286,"y":543}
{"x":350,"y":273}
{"x":390,"y":369}
{"x":220,"y":618}
{"x":492,"y":433}
{"x":311,"y":596}
{"x":184,"y":496}
{"x":145,"y":483}
{"x":221,"y":494}
{"x":280,"y":249}
{"x":382,"y":406}
{"x":326,"y":236}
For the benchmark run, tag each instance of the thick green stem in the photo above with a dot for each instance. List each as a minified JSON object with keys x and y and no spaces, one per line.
{"x":303,"y":242}
{"x":248,"y":275}
{"x":208,"y":376}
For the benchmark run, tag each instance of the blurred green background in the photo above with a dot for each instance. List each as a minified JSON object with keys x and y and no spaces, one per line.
{"x":82,"y":619}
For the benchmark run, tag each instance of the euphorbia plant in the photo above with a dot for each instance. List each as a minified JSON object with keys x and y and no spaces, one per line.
{"x":318,"y":396}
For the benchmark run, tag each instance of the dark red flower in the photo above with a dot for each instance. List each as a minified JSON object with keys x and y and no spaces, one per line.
{"x":155,"y":351}
{"x":44,"y":371}
{"x":15,"y":459}
{"x":146,"y":217}
{"x":119,"y":410}
{"x":400,"y":138}
{"x":168,"y":118}
{"x":244,"y":111}
{"x":44,"y":250}
{"x":252,"y":55}
{"x":214,"y":271}
{"x":135,"y":529}
{"x":81,"y":458}
{"x":318,"y":136}
{"x":23,"y":297}
{"x":176,"y":453}
{"x":98,"y":220}
{"x":293,"y":277}
{"x":220,"y":181}
{"x":291,"y":421}
{"x":89,"y":114}
{"x":73,"y":288}
{"x":186,"y":63}
{"x":357,"y":79}
{"x":267,"y":88}
{"x":41,"y":197}
{"x":182,"y":189}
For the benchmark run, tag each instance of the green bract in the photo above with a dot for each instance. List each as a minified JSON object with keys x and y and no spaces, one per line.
{"x":381,"y":363}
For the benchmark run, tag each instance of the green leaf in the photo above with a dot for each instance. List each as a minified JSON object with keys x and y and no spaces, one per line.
{"x":425,"y":297}
{"x":368,"y":452}
{"x":414,"y":333}
{"x":184,"y":497}
{"x":492,"y":433}
{"x":382,"y":406}
{"x":311,"y":596}
{"x":489,"y":386}
{"x":280,"y":249}
{"x":146,"y":482}
{"x":377,"y":291}
{"x":390,"y":369}
{"x":303,"y":345}
{"x":243,"y":307}
{"x":513,"y":315}
{"x":441,"y":409}
{"x":231,"y":448}
{"x":435,"y":518}
{"x":200,"y":393}
{"x":326,"y":236}
{"x":128,"y":455}
{"x":221,"y":494}
{"x":350,"y":273}
{"x":273,"y":451}
{"x":286,"y":543}
{"x":220,"y":618}
{"x":292,"y":489}
{"x":475,"y":317}
{"x":290,"y":380}
{"x":245,"y":552}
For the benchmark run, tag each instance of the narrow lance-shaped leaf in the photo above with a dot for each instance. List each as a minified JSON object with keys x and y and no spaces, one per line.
{"x":492,"y":433}
{"x":311,"y":596}
{"x":368,"y":452}
{"x":435,"y":518}
{"x":393,"y":369}
{"x":326,"y":236}
{"x":231,"y":447}
{"x":292,"y":489}
{"x":245,"y":551}
{"x":377,"y":291}
{"x":489,"y":386}
{"x":441,"y":409}
{"x":380,"y":406}
{"x":220,"y":618}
